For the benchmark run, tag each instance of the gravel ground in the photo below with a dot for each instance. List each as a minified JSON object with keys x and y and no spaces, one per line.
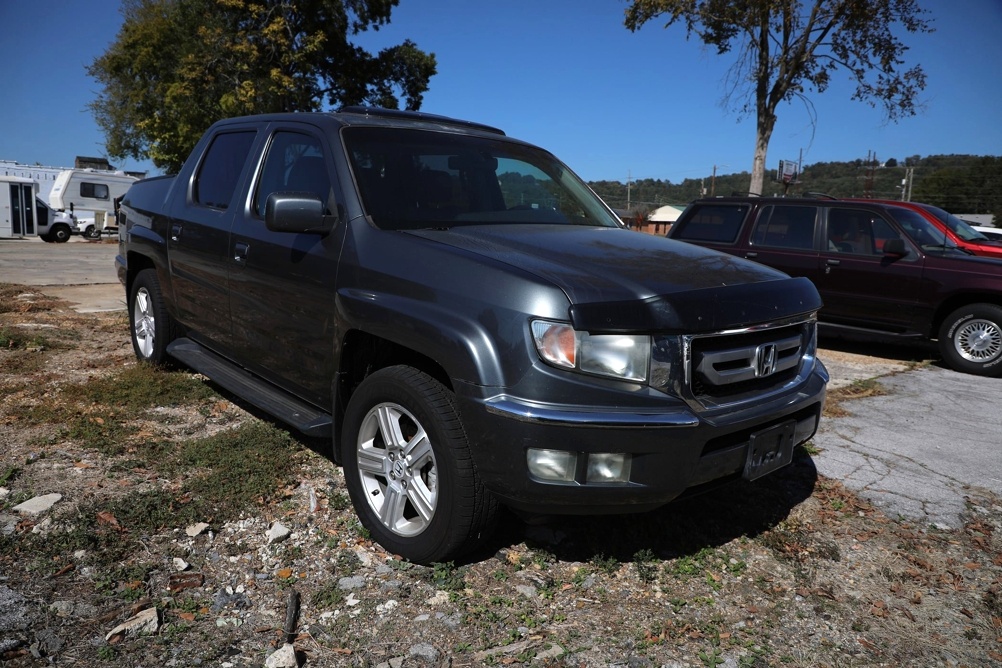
{"x":793,"y":570}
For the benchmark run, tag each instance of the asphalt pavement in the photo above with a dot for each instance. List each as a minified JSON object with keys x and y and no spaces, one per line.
{"x":80,"y":271}
{"x":914,"y":452}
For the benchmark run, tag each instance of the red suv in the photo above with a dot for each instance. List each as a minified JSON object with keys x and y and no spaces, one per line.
{"x":879,"y":267}
{"x":959,"y":232}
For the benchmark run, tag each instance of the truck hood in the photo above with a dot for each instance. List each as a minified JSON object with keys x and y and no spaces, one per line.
{"x":619,"y":280}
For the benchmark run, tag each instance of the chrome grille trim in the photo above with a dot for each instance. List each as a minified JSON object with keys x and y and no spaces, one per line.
{"x":723,"y":367}
{"x":727,"y":368}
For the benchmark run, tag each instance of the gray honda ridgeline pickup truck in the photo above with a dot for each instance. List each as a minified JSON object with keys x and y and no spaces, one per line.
{"x":466,"y":321}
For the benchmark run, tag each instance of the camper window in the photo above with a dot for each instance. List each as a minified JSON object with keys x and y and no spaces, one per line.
{"x":93,"y":190}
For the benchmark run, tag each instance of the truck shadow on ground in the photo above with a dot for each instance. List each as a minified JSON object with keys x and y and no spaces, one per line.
{"x":682,"y":528}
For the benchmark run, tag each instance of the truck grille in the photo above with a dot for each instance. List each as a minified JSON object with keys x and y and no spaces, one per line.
{"x":728,"y":368}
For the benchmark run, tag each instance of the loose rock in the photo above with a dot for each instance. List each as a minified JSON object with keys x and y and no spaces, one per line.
{"x":39,"y":504}
{"x":146,"y":622}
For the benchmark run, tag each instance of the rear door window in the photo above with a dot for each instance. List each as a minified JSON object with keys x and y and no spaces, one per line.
{"x":786,"y":227}
{"x":720,"y":223}
{"x":220,"y":170}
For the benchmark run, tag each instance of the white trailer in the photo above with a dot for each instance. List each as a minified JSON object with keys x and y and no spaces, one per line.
{"x":18,"y":213}
{"x":23,"y":213}
{"x":90,"y":194}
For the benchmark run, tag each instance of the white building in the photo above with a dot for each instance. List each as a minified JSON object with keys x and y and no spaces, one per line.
{"x":45,"y":177}
{"x":665,"y":214}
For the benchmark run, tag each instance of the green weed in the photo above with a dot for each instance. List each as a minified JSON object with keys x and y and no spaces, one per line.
{"x":447,"y":577}
{"x":607,"y":565}
{"x":141,"y":386}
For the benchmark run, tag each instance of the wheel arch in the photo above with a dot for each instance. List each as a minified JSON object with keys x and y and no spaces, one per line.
{"x":363,"y":353}
{"x":951,"y":304}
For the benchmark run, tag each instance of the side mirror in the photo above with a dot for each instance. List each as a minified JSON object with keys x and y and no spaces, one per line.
{"x":296,"y":212}
{"x":895,"y":247}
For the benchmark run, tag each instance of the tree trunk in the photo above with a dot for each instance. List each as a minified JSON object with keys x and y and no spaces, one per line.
{"x":763,"y":133}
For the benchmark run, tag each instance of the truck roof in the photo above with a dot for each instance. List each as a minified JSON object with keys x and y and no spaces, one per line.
{"x":373,"y":116}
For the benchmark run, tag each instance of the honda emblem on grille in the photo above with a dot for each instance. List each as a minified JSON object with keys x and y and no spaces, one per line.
{"x":765,"y":360}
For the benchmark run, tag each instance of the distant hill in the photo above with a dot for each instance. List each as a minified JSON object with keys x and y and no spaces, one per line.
{"x":957,"y":183}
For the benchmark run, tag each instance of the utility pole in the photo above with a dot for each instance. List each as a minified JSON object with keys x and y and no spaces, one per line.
{"x":871,"y":166}
{"x":713,"y":182}
{"x":906,"y":184}
{"x":628,"y":186}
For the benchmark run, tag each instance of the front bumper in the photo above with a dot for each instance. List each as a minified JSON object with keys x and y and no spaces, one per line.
{"x":673,"y":448}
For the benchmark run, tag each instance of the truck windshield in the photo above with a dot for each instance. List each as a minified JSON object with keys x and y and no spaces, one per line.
{"x":415,"y":179}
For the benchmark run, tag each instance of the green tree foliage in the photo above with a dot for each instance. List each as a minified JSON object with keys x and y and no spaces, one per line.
{"x":786,"y":48}
{"x":177,"y":66}
{"x":962,"y":184}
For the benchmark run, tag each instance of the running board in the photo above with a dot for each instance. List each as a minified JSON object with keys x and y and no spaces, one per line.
{"x":253,"y":390}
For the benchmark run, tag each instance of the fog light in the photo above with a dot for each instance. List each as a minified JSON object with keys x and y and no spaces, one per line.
{"x":555,"y":465}
{"x":609,"y":467}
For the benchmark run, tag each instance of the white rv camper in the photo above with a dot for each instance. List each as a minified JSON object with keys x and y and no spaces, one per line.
{"x":90,"y":195}
{"x":19,"y":219}
{"x":17,"y":207}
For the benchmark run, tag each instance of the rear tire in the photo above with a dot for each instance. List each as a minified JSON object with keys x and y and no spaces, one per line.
{"x":970,"y":340}
{"x":408,"y":468}
{"x":92,"y":232}
{"x":152,"y":327}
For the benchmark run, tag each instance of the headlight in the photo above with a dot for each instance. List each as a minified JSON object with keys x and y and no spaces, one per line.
{"x":624,"y":356}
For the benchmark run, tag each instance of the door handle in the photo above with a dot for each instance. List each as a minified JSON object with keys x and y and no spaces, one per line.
{"x":240,"y":250}
{"x":751,"y":256}
{"x":831,"y":263}
{"x":175,"y":232}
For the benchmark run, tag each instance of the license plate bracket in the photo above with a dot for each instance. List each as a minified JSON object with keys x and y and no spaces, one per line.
{"x":769,"y":450}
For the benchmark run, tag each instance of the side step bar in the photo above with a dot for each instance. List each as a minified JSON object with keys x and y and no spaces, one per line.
{"x":259,"y":393}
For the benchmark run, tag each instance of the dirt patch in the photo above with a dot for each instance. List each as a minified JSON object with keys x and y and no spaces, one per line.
{"x":189,"y":531}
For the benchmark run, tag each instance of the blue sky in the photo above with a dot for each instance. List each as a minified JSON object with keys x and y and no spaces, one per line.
{"x":564,"y":74}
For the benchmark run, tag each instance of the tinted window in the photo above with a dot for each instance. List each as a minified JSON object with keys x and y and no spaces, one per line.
{"x":93,"y":190}
{"x":859,"y":232}
{"x":959,"y":227}
{"x":295,"y":163}
{"x":217,"y":175}
{"x":786,"y":227}
{"x":713,"y":222}
{"x":412,"y":179}
{"x":921,"y":230}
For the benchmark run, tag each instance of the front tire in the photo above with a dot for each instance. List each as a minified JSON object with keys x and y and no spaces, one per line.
{"x":408,"y":468}
{"x":152,"y":327}
{"x":92,"y":232}
{"x":60,"y":234}
{"x":970,"y":340}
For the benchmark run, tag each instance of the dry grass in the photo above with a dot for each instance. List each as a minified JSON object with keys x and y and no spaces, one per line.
{"x":794,"y":570}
